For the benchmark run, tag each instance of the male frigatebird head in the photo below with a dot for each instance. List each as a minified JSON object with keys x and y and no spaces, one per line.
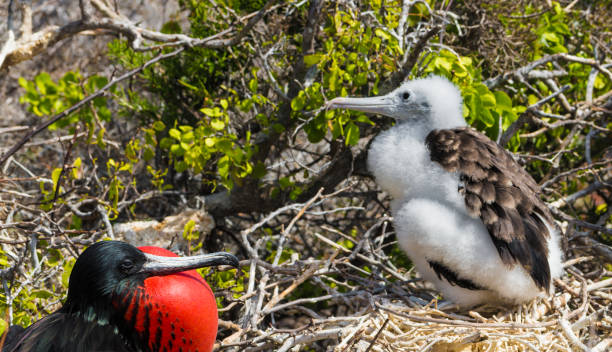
{"x":433,"y":101}
{"x":107,"y":266}
{"x":153,"y":297}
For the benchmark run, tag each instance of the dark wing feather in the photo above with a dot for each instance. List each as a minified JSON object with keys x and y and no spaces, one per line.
{"x":452,"y":277}
{"x":61,"y":332}
{"x":13,"y":335}
{"x":499,"y":192}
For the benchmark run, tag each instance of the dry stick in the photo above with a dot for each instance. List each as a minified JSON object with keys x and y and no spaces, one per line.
{"x":377,"y":334}
{"x":525,"y":71}
{"x":466,"y":323}
{"x":411,"y":60}
{"x":310,"y":337}
{"x":286,"y":231}
{"x":8,"y":47}
{"x":600,"y":284}
{"x":81,"y":103}
{"x":548,"y":126}
{"x":516,"y":125}
{"x":591,"y":168}
{"x":567,"y":330}
{"x":602,"y":346}
{"x":257,"y":311}
{"x":64,"y":166}
{"x":29,"y":46}
{"x":305,"y":276}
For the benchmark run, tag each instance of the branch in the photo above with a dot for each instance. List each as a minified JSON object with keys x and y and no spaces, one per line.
{"x":31,"y":45}
{"x":516,"y":125}
{"x":83,"y":102}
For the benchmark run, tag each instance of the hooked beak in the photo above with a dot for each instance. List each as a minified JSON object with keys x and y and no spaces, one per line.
{"x":159,"y":265}
{"x":374,"y":105}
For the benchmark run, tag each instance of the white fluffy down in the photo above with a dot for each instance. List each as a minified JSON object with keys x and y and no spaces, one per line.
{"x":430,"y":216}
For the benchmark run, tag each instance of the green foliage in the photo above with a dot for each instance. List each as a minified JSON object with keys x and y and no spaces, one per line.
{"x":192,"y":129}
{"x":31,"y":304}
{"x":346,"y":62}
{"x":192,"y":148}
{"x":552,"y":32}
{"x":190,"y":235}
{"x":46,"y":97}
{"x":229,"y":280}
{"x":482,"y":108}
{"x":355,"y":55}
{"x":49,"y":193}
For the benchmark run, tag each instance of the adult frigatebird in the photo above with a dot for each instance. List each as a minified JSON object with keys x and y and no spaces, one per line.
{"x":465,"y":211}
{"x":127,"y":299}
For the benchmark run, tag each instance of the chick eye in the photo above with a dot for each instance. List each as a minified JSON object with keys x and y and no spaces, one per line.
{"x":126,"y":266}
{"x":405,"y":95}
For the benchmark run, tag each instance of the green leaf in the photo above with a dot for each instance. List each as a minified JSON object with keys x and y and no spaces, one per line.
{"x":192,"y":87}
{"x":66,"y":272}
{"x":382,"y":34}
{"x":159,"y":126}
{"x":298,"y":103}
{"x":217,"y":124}
{"x":284,"y":182}
{"x":313,"y":59}
{"x":488,"y":100}
{"x":176,"y":150}
{"x":486,"y":117}
{"x":259,"y":170}
{"x":166,"y":142}
{"x":54,"y":257}
{"x":180,"y":166}
{"x":224,"y":103}
{"x":364,"y":119}
{"x":503,"y":101}
{"x":148,"y":154}
{"x":599,"y":82}
{"x":174,"y":133}
{"x":352,"y":134}
{"x":208,"y":111}
{"x":42,"y":294}
{"x":187,"y":137}
{"x":96,"y":82}
{"x":550,"y":37}
{"x":25,"y":84}
{"x":42,"y":81}
{"x":443,"y":63}
{"x":253,"y":85}
{"x":55,"y":176}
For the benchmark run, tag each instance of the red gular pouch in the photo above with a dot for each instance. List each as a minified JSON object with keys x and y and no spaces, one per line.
{"x":175,"y":312}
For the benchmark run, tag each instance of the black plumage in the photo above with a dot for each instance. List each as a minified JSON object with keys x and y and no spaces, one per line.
{"x":87,"y":321}
{"x":105,"y":278}
{"x":444,"y":272}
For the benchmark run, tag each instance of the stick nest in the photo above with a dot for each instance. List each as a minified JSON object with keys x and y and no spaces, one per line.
{"x":357,"y":297}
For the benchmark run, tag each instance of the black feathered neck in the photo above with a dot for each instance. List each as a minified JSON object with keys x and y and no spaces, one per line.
{"x":103,"y":281}
{"x":100,"y":271}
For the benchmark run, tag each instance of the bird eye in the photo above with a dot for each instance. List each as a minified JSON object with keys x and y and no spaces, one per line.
{"x":405,"y":95}
{"x":126,"y":266}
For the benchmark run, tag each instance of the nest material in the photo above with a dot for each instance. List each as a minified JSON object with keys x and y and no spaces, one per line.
{"x":371,"y":305}
{"x":398,"y":327}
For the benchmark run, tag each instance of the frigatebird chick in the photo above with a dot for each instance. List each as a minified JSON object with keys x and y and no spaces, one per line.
{"x":466,"y":213}
{"x":127,"y":299}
